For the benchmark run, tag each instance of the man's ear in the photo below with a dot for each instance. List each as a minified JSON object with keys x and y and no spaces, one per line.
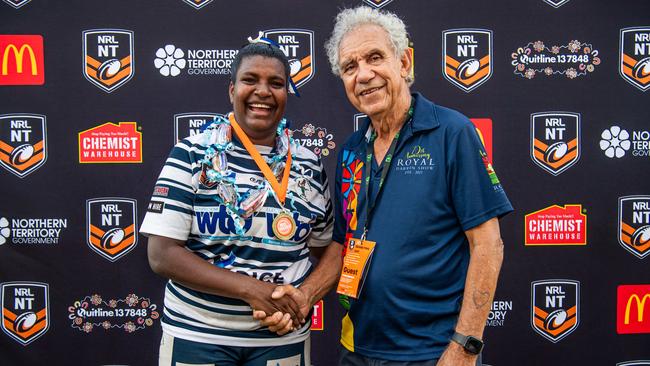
{"x":406,"y":63}
{"x":231,"y":92}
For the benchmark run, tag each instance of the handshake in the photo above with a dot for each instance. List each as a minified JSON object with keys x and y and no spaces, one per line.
{"x":280,"y":308}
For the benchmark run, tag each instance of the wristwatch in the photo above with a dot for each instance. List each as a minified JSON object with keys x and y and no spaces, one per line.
{"x":471,"y":344}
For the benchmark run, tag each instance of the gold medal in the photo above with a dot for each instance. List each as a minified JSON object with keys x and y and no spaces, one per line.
{"x":284,"y":226}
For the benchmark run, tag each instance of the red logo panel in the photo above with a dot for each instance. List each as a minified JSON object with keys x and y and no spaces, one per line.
{"x":633,"y":309}
{"x":22,"y":60}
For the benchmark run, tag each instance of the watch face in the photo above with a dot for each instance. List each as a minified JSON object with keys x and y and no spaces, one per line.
{"x":473,"y":345}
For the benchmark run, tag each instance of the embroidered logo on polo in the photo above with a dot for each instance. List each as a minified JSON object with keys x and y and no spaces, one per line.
{"x":23,"y":60}
{"x":571,"y":60}
{"x":314,"y":138}
{"x":197,"y":4}
{"x":111,"y":226}
{"x":111,"y":143}
{"x":555,"y":140}
{"x":416,"y":161}
{"x":556,"y":3}
{"x":298,"y":46}
{"x":634,"y":224}
{"x":633,"y":309}
{"x":467,"y":57}
{"x":128,"y":314}
{"x":17,"y":3}
{"x":23,"y":142}
{"x":634,"y":56}
{"x":189,"y":124}
{"x":555,"y":308}
{"x":556,"y":225}
{"x":377,"y":4}
{"x":108,"y":57}
{"x":25,"y":310}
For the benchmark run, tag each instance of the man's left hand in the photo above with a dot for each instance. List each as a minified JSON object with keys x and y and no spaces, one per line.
{"x":278,"y":322}
{"x":455,"y":355}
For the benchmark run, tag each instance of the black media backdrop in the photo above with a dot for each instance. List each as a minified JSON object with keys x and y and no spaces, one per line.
{"x":61,"y":186}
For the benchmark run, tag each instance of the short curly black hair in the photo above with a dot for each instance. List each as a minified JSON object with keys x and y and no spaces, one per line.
{"x":259,"y":49}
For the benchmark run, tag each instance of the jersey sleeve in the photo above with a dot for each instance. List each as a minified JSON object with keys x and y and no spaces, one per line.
{"x":321,"y":231}
{"x":169,"y":212}
{"x":476,"y":191}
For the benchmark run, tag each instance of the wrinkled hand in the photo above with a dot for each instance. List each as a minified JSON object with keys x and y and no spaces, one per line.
{"x":281,"y":323}
{"x":261,"y":299}
{"x":455,"y":355}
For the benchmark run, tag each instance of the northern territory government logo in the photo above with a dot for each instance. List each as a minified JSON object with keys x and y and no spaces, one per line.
{"x":377,"y":4}
{"x":634,"y":224}
{"x":129,"y":314}
{"x":498,"y":313}
{"x":23,"y":61}
{"x":17,"y":3}
{"x":314,"y":138}
{"x":571,"y":60}
{"x":467,"y":57}
{"x":555,"y":140}
{"x":190,"y":124}
{"x":556,"y":225}
{"x":298,"y":46}
{"x":31,"y":230}
{"x":25,"y":310}
{"x":633,"y":309}
{"x":197,"y":4}
{"x":108,"y":57}
{"x":111,"y":226}
{"x":172,"y":61}
{"x":556,"y":3}
{"x":616,"y":142}
{"x":634,"y":57}
{"x":555,"y":308}
{"x":23,"y":142}
{"x":111,"y":143}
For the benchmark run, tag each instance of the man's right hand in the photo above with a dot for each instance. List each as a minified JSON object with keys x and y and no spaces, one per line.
{"x":281,"y":323}
{"x":261,"y":298}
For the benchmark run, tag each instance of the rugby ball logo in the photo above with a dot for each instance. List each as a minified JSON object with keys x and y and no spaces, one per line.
{"x":467,"y":57}
{"x":298,"y":46}
{"x":22,"y":143}
{"x":634,"y":56}
{"x":555,"y":140}
{"x":634,"y":224}
{"x":111,"y":226}
{"x":108,"y":57}
{"x":555,"y":308}
{"x":25,"y":310}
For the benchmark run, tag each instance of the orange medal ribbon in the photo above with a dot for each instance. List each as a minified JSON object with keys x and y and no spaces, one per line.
{"x":280,"y":189}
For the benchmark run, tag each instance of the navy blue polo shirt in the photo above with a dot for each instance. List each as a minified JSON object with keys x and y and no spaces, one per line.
{"x":439,"y":185}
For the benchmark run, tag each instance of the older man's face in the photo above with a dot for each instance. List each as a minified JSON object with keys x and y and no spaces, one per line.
{"x":372,"y":75}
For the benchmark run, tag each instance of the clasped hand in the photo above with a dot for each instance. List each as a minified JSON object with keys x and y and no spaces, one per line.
{"x":284,"y":310}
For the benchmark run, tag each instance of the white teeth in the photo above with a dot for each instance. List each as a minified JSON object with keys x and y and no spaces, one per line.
{"x":260,"y":106}
{"x":369,"y":91}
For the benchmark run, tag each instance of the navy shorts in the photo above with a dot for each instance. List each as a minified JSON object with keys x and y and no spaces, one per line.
{"x":181,"y":352}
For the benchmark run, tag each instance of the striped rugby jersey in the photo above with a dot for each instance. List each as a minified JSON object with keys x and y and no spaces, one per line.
{"x":182,"y":208}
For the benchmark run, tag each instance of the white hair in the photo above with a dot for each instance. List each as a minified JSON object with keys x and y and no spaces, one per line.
{"x":350,"y":19}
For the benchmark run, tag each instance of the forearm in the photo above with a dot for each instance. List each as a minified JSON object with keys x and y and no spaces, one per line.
{"x":483,"y":272}
{"x":325,"y":275}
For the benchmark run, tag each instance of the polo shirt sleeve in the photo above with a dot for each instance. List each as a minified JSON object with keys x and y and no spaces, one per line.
{"x":321,"y":230}
{"x":339,"y":220}
{"x":175,"y":191}
{"x":476,"y":192}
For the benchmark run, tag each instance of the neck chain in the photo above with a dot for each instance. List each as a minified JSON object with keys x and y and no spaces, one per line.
{"x":215,"y":171}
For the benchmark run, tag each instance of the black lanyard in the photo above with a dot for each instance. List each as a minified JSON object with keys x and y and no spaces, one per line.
{"x":387,"y":162}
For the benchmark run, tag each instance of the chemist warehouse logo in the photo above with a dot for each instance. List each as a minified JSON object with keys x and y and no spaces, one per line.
{"x":23,"y":140}
{"x":31,"y":230}
{"x":298,"y":46}
{"x":555,"y":140}
{"x":111,"y":143}
{"x":555,"y":308}
{"x":111,"y":226}
{"x":634,"y":57}
{"x":634,"y":224}
{"x":557,"y":225}
{"x":190,"y":124}
{"x":108,"y":57}
{"x":467,"y":57}
{"x":25,"y":310}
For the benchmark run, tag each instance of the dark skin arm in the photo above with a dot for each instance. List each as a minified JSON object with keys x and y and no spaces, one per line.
{"x":319,"y":282}
{"x":169,"y":258}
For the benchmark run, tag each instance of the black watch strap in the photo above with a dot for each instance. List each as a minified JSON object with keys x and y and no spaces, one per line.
{"x":471,"y":344}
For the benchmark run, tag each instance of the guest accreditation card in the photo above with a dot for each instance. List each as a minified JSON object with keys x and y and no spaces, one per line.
{"x":355,"y":266}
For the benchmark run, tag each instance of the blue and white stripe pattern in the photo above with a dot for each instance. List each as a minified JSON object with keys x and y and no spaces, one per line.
{"x":191,"y":214}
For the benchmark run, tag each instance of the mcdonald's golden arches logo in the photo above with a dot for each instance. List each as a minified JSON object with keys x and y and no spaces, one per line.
{"x":633,"y":309}
{"x":22,"y":60}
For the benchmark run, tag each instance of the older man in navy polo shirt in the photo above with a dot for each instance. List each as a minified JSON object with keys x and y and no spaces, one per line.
{"x":415,"y":183}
